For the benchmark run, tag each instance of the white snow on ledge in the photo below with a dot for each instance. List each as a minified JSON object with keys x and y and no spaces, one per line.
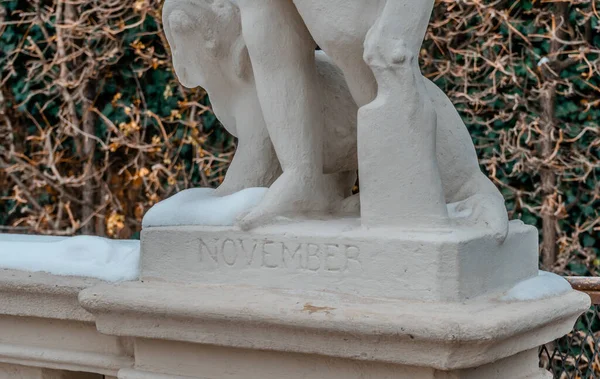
{"x":543,"y":286}
{"x":94,"y":257}
{"x":200,"y":206}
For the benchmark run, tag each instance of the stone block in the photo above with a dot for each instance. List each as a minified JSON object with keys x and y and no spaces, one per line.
{"x":338,"y":255}
{"x":235,"y":332}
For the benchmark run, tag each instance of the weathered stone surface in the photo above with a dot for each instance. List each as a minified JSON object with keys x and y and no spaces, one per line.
{"x":307,"y":121}
{"x":338,"y":255}
{"x":225,"y":363}
{"x":447,"y":337}
{"x":42,"y":325}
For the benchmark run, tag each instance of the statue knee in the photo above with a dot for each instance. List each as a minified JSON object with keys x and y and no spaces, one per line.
{"x":382,"y":52}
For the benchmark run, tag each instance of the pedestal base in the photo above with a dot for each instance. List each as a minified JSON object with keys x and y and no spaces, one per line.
{"x":330,"y":299}
{"x":246,"y":332}
{"x":210,"y":362}
{"x":338,"y":255}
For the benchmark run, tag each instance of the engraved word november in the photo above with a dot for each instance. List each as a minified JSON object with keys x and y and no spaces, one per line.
{"x":244,"y":253}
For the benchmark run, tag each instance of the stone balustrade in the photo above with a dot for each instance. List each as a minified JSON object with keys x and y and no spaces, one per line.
{"x":179,"y":325}
{"x":46,"y":334}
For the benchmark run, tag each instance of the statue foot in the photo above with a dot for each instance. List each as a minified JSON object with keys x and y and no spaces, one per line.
{"x":483,"y":210}
{"x":294,"y":193}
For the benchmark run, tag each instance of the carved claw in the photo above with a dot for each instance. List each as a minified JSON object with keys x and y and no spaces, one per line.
{"x":486,"y":210}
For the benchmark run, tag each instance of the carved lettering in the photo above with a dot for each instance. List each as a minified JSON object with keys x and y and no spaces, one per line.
{"x":313,"y":258}
{"x":249,"y":253}
{"x":229,"y":255}
{"x":335,"y":261}
{"x":269,"y":254}
{"x":352,"y":258}
{"x":207,"y":254}
{"x":292,"y":258}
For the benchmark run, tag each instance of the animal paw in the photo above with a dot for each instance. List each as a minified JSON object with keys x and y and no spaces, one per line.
{"x":484,"y":210}
{"x":294,"y":194}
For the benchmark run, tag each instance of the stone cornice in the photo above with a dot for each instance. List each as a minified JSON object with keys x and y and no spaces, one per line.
{"x":39,"y":294}
{"x":43,"y":325}
{"x":106,"y":364}
{"x":444,"y":336}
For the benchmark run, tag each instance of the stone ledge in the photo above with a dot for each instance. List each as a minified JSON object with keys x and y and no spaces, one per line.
{"x":58,"y":359}
{"x":165,"y":358}
{"x":43,"y":325}
{"x":138,"y":374}
{"x":463,"y":335}
{"x":39,"y":294}
{"x":338,"y":255}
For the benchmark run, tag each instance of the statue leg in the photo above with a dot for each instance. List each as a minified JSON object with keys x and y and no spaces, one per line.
{"x":282,"y":55}
{"x":400,"y":180}
{"x":255,"y":163}
{"x":341,"y":32}
{"x":339,"y":28}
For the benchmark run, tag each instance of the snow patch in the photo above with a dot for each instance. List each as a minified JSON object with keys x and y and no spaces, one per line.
{"x":200,"y":206}
{"x":543,"y":286}
{"x":94,"y":257}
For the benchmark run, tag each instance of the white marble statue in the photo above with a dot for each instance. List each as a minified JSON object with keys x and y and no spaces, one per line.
{"x":281,"y":272}
{"x":307,"y":121}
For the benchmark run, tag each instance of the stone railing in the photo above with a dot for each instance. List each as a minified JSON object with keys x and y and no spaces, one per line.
{"x":45,"y":333}
{"x":174,"y":326}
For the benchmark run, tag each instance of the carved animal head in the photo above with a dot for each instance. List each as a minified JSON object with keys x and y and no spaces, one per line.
{"x":205,"y":38}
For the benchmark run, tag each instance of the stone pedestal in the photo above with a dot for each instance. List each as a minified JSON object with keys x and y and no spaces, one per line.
{"x":241,"y":332}
{"x":338,"y":255}
{"x":332,"y":300}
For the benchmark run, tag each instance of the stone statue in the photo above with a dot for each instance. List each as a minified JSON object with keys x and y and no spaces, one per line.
{"x":307,"y":121}
{"x":220,"y":64}
{"x":276,"y":274}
